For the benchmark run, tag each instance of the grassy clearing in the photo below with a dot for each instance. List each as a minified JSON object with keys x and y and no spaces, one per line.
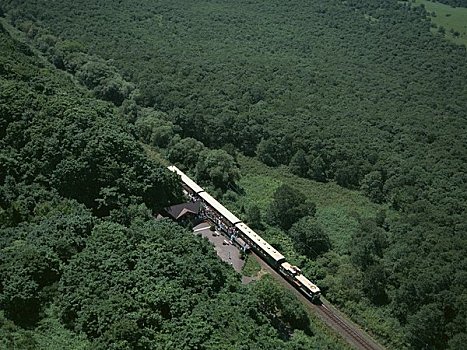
{"x":454,"y":18}
{"x":251,"y":267}
{"x":337,"y":208}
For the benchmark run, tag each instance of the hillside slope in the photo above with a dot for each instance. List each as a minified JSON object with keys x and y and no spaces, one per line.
{"x":83,"y":263}
{"x":360,"y":93}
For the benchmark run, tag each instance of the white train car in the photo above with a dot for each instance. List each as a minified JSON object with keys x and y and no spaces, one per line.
{"x":308,"y":287}
{"x":188,"y":183}
{"x":260,"y":245}
{"x":294,"y":275}
{"x":219,"y":208}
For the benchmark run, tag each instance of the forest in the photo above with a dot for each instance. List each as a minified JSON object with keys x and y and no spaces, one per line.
{"x":83,"y":263}
{"x":361,"y":94}
{"x":454,"y":3}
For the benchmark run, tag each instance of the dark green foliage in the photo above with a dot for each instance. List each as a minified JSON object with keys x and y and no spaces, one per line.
{"x":288,"y":206}
{"x":275,"y":151}
{"x":153,"y":284}
{"x":299,"y":164}
{"x":458,"y":341}
{"x":317,"y":170}
{"x":374,"y":284}
{"x":254,"y":216}
{"x":372,"y":186}
{"x":83,"y":263}
{"x":368,"y":244}
{"x":218,"y":168}
{"x":153,"y":271}
{"x":32,"y":255}
{"x":309,"y":237}
{"x":26,"y":271}
{"x":186,"y":152}
{"x":454,"y":3}
{"x":426,"y":327}
{"x":74,"y":145}
{"x":18,"y":201}
{"x":283,"y":310}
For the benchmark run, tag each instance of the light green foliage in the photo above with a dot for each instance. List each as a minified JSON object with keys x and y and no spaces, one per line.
{"x":340,"y":223}
{"x":335,"y":207}
{"x":154,"y":129}
{"x":345,"y":284}
{"x":452,"y":19}
{"x":251,"y":267}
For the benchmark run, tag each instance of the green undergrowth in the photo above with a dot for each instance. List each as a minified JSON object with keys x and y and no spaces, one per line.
{"x":337,"y":208}
{"x":251,"y":267}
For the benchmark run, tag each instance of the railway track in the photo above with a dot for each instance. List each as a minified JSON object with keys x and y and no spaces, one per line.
{"x":351,"y":333}
{"x":338,"y":322}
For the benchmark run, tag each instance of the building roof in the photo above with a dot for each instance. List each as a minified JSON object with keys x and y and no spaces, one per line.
{"x":180,"y":210}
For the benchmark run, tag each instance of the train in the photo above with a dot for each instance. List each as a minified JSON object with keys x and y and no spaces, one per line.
{"x":236,"y":228}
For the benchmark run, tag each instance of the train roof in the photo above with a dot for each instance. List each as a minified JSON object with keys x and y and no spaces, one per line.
{"x":308,"y":284}
{"x":213,"y":203}
{"x":286,"y":265}
{"x":186,"y":180}
{"x":289,"y":267}
{"x":261,"y":243}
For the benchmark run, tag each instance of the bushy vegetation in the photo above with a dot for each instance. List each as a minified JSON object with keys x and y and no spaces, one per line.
{"x":83,"y":263}
{"x":363,"y":94}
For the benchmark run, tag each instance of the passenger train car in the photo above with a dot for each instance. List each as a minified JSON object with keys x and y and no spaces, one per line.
{"x":231,"y":224}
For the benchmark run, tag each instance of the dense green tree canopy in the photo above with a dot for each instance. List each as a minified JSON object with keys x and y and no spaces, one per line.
{"x":83,"y":263}
{"x":361,"y":92}
{"x":75,"y":146}
{"x":217,"y":167}
{"x":288,"y":206}
{"x":309,"y":238}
